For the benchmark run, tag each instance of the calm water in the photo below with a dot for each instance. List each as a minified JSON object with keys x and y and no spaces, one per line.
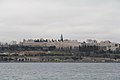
{"x":59,"y":71}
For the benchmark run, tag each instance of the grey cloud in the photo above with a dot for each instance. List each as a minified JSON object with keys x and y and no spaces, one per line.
{"x":76,"y":19}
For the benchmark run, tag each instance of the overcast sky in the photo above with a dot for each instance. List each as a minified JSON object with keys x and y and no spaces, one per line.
{"x":75,"y":19}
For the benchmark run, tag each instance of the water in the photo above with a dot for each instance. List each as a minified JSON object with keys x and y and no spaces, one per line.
{"x":59,"y":71}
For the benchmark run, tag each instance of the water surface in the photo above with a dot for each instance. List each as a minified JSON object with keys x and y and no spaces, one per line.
{"x":59,"y":71}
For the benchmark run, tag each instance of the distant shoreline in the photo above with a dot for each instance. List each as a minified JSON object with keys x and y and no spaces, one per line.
{"x":59,"y":62}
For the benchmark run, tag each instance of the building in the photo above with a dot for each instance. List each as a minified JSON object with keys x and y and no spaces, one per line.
{"x":91,"y":42}
{"x":108,"y":45}
{"x":104,"y":45}
{"x":57,"y":43}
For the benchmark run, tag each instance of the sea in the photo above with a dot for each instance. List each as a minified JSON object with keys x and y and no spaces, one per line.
{"x":59,"y":71}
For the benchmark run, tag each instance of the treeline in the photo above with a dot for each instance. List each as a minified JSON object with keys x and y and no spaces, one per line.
{"x":85,"y":51}
{"x":13,"y":48}
{"x":43,"y":40}
{"x":97,"y":51}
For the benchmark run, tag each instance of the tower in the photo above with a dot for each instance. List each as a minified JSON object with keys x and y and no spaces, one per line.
{"x":61,"y":38}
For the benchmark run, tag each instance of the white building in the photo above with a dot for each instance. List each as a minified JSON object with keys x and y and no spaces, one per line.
{"x":91,"y":42}
{"x":109,"y":45}
{"x":65,"y":44}
{"x":58,"y":44}
{"x":105,"y":45}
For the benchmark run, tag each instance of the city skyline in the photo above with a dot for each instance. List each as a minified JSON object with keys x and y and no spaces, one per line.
{"x":75,"y":19}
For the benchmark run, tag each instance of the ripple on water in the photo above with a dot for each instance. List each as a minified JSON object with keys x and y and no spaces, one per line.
{"x":59,"y":71}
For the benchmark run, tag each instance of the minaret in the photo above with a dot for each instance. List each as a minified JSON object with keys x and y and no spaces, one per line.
{"x":61,"y":38}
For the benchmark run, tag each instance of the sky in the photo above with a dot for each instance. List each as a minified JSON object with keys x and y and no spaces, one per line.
{"x":75,"y":19}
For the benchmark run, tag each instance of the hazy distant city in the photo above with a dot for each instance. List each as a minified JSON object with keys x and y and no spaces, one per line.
{"x":33,"y":21}
{"x":61,"y":50}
